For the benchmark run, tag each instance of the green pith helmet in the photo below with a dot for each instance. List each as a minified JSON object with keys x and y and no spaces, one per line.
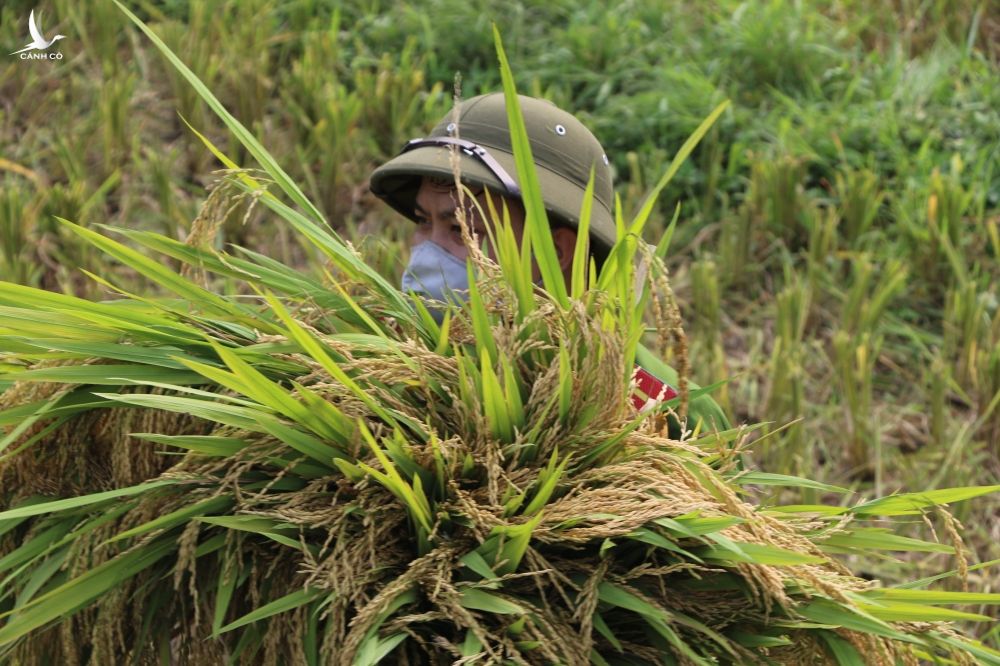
{"x":563,"y":150}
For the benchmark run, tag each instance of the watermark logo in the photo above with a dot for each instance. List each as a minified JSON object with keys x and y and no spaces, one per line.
{"x":36,"y":49}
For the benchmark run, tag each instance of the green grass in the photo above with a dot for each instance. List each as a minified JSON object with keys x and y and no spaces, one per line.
{"x":838,"y":244}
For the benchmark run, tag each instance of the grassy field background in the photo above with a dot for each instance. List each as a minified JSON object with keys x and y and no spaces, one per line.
{"x":837,"y":251}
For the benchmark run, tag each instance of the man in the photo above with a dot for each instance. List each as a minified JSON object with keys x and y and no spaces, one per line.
{"x":419,"y":183}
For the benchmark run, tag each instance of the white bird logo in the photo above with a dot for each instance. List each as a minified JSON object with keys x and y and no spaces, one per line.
{"x":38,"y":39}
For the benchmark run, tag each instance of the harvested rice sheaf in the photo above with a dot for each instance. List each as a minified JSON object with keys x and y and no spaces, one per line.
{"x":358,"y":499}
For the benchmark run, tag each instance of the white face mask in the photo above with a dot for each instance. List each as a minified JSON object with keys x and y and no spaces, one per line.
{"x":435,"y":273}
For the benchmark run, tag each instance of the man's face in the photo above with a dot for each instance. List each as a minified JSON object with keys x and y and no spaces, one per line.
{"x":436,"y":204}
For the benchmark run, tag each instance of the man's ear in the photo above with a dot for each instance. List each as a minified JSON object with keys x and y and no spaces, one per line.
{"x":564,"y":239}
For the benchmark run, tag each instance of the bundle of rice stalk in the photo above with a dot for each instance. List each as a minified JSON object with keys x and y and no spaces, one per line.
{"x":329,"y":476}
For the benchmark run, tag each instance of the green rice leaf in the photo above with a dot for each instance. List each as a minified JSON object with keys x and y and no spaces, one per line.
{"x":682,"y":154}
{"x":755,"y":553}
{"x":134,"y":317}
{"x":947,"y":574}
{"x":597,"y":659}
{"x":324,"y":238}
{"x":41,"y":324}
{"x":914,"y":503}
{"x":83,"y":589}
{"x":83,"y":500}
{"x":42,"y":574}
{"x":160,"y":355}
{"x":360,"y":312}
{"x":312,"y":346}
{"x":234,"y":415}
{"x":652,"y":538}
{"x":46,"y":540}
{"x":26,"y":418}
{"x":481,"y":328}
{"x":622,"y":598}
{"x":257,"y":525}
{"x":371,"y":646}
{"x":374,"y":650}
{"x":512,"y":394}
{"x":401,"y":454}
{"x":827,"y":611}
{"x":931,"y":597}
{"x":412,"y":497}
{"x":476,"y":563}
{"x":663,"y":245}
{"x":219,"y":155}
{"x":302,"y":442}
{"x":475,"y":598}
{"x":310,"y":642}
{"x":509,"y":256}
{"x":9,"y":524}
{"x":565,"y":382}
{"x":283,"y":604}
{"x":334,"y":248}
{"x":229,"y":579}
{"x":471,"y":646}
{"x":506,"y":545}
{"x":611,"y":444}
{"x":694,"y":526}
{"x":901,"y":611}
{"x":107,"y":375}
{"x":785,"y":481}
{"x":604,"y":630}
{"x":207,"y":445}
{"x":536,"y":219}
{"x":843,"y":652}
{"x":987,"y":656}
{"x":178,"y":517}
{"x":581,"y":254}
{"x":679,"y":644}
{"x":161,"y":275}
{"x":257,"y":386}
{"x":350,"y":470}
{"x":65,"y":528}
{"x":748,"y":639}
{"x":548,"y":479}
{"x":866,"y":538}
{"x":494,"y":403}
{"x":819,"y":509}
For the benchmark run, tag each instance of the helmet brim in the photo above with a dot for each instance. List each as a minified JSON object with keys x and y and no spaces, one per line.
{"x":398,"y":181}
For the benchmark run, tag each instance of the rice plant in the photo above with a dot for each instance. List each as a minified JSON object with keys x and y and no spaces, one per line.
{"x":325,"y":474}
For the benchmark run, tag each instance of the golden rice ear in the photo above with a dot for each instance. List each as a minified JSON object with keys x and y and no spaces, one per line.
{"x":643,"y":263}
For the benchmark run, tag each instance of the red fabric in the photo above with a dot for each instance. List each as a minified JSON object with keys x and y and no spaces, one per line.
{"x":648,"y":387}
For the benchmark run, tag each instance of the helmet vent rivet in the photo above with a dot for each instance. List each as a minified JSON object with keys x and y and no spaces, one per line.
{"x":560,"y":130}
{"x":451,"y":128}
